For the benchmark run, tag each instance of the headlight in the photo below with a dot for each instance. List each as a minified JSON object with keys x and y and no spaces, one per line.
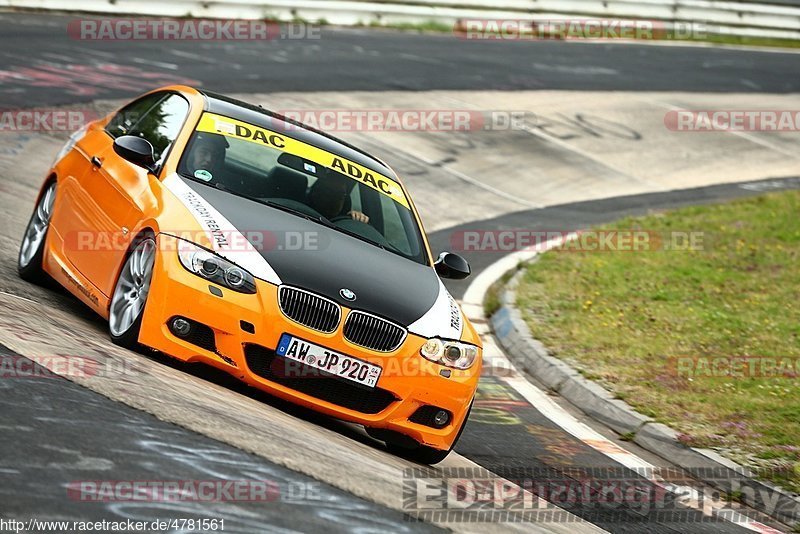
{"x":70,"y":143}
{"x":449,"y":353}
{"x":215,"y":268}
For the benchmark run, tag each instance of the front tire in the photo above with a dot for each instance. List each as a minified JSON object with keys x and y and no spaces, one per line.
{"x":31,"y":250}
{"x":130,"y":293}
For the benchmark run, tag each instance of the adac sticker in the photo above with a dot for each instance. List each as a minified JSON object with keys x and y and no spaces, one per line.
{"x":226,"y":126}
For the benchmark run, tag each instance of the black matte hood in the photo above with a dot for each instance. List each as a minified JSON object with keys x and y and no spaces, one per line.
{"x":384,"y":283}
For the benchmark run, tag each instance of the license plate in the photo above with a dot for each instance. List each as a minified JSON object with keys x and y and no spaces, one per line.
{"x":326,"y":360}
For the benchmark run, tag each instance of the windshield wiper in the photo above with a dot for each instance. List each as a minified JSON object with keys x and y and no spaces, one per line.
{"x":318,"y":219}
{"x":329,"y":224}
{"x":287,"y":209}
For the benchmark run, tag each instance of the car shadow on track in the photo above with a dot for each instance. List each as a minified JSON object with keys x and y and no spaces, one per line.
{"x":54,"y":296}
{"x":231,"y":383}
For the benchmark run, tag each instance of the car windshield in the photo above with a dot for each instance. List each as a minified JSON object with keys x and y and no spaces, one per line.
{"x":285,"y":173}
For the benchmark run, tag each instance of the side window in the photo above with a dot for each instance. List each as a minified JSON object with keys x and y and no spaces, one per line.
{"x":162,"y":123}
{"x":127,"y":117}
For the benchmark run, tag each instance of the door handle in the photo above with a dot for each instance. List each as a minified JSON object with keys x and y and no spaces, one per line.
{"x":97,"y":162}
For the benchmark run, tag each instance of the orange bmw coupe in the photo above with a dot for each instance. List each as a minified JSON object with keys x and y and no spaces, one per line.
{"x":219,"y":232}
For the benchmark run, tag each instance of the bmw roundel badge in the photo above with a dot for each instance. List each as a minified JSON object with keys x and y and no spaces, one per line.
{"x":347,"y":294}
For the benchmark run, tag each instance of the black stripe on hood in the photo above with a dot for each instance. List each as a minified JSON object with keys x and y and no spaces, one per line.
{"x":385,"y":284}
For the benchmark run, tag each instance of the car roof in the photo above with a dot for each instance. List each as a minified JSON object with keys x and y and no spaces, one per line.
{"x":258,"y":116}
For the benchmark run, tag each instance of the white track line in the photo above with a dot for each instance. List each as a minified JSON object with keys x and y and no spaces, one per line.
{"x":473,"y":308}
{"x":17,"y":297}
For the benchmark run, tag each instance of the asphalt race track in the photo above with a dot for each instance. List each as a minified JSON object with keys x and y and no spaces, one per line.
{"x":163,"y":420}
{"x":66,"y":70}
{"x":54,"y":450}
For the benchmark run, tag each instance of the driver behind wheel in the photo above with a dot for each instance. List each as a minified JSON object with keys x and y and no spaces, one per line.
{"x":328,"y":195}
{"x":207,"y":157}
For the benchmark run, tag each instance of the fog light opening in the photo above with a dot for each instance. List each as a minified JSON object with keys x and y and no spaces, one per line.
{"x":180,"y":327}
{"x":441,"y":418}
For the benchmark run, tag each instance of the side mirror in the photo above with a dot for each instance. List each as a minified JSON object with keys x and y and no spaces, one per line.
{"x":451,"y":265}
{"x":136,"y":150}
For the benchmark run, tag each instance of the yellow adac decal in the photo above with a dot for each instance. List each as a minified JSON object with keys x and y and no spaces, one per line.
{"x":228,"y":127}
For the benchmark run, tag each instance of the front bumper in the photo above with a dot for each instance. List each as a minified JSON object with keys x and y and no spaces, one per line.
{"x":246,"y":330}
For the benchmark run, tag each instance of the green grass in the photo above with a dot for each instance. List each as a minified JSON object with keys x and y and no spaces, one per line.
{"x":494,"y":295}
{"x":427,"y":26}
{"x":751,"y":41}
{"x":623,"y":318}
